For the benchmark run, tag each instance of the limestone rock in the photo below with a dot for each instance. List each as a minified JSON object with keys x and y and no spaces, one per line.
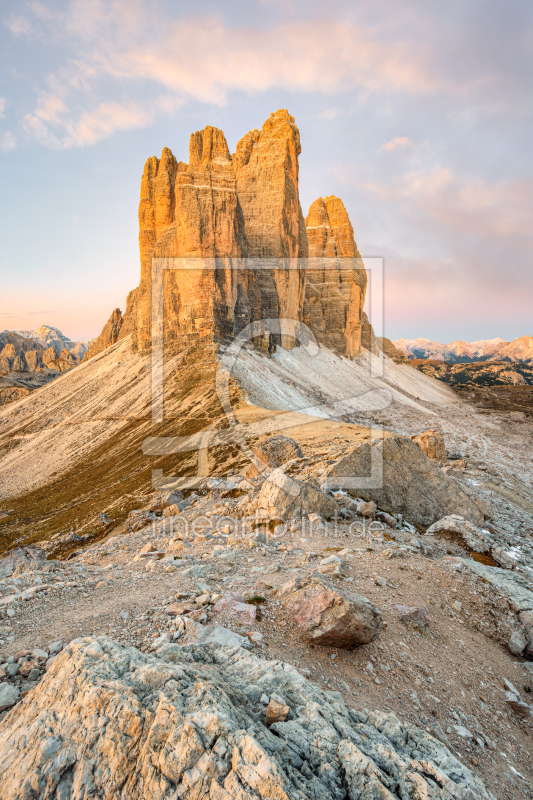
{"x":432,"y":444}
{"x":137,"y":520}
{"x":22,"y":354}
{"x":526,"y":618}
{"x":233,"y":606}
{"x":368,"y":337}
{"x":411,"y":483}
{"x":110,"y":721}
{"x":414,"y":615}
{"x":388,"y":349}
{"x":335,"y":286}
{"x":273,"y":452}
{"x":517,"y":643}
{"x":329,"y":618}
{"x":517,"y":705}
{"x":222,"y":208}
{"x":192,"y":210}
{"x":284,"y":497}
{"x":19,"y":353}
{"x":367,"y":510}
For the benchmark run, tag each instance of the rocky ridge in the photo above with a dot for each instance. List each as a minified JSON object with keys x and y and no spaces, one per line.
{"x":47,"y":337}
{"x":482,"y":373}
{"x":458,"y":352}
{"x":26,"y":365}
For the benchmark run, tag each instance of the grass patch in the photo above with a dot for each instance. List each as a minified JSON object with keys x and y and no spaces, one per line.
{"x":256,"y":600}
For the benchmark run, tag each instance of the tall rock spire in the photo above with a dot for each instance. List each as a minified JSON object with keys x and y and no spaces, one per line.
{"x":335,"y":289}
{"x":266,"y":165}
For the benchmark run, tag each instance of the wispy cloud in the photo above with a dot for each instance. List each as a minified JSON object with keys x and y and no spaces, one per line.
{"x":400,"y":142}
{"x":7,"y":142}
{"x":120,"y":53}
{"x":2,"y":107}
{"x":125,"y":46}
{"x":329,"y":113}
{"x":18,"y":25}
{"x":86,"y":128}
{"x":467,"y":206}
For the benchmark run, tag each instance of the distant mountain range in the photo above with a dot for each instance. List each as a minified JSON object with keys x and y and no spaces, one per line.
{"x":47,"y":336}
{"x":458,"y":352}
{"x":30,"y":359}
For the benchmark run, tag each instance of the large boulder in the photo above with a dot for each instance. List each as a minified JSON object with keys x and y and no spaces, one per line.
{"x":328,"y":618}
{"x":406,"y":482}
{"x":110,"y":721}
{"x":273,"y":452}
{"x":478,"y":540}
{"x":285,"y":497}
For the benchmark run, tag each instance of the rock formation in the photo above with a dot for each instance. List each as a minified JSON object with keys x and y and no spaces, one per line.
{"x":285,"y":497}
{"x":335,"y":290}
{"x":273,"y":452}
{"x":266,"y":166}
{"x":226,"y":208}
{"x":191,"y":722}
{"x":387,"y":347}
{"x":432,"y":444}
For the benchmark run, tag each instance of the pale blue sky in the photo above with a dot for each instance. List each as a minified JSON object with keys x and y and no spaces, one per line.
{"x":418,"y":115}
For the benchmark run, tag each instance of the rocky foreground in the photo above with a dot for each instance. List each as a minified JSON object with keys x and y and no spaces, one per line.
{"x":242,"y":643}
{"x":210,"y":721}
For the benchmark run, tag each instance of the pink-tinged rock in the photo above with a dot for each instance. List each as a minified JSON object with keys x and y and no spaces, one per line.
{"x":329,"y":618}
{"x":228,"y":600}
{"x":9,"y":598}
{"x":414,"y":615}
{"x":233,"y":606}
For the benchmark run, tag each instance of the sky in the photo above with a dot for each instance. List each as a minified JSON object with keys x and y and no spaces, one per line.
{"x":418,"y":115}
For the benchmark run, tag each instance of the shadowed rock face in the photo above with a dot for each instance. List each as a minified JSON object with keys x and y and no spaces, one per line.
{"x":110,"y":721}
{"x":409,"y":483}
{"x":335,"y":291}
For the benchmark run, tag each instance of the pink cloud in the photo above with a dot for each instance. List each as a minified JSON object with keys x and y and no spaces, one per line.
{"x":201,"y":58}
{"x":400,"y":142}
